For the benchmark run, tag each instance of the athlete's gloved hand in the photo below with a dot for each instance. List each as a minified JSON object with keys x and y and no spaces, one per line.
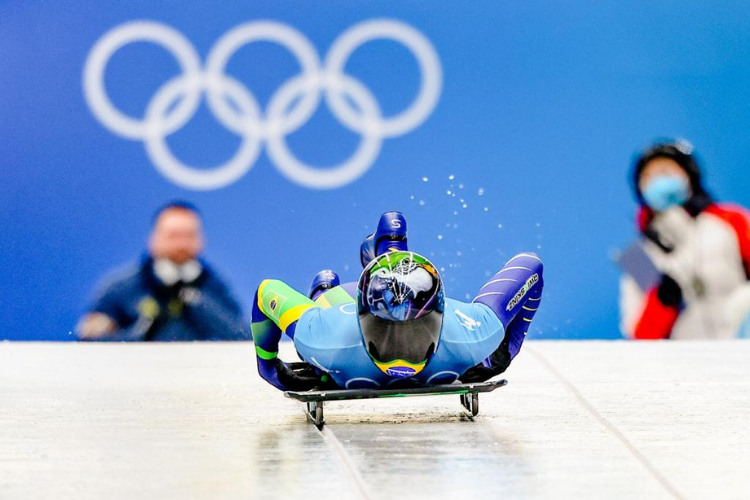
{"x":280,"y":375}
{"x":478,"y":373}
{"x":499,"y":362}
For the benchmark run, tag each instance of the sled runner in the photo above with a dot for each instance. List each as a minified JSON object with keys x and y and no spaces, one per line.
{"x":469,"y":394}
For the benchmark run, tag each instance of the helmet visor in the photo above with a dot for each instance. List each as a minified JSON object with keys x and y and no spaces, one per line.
{"x":412,"y":340}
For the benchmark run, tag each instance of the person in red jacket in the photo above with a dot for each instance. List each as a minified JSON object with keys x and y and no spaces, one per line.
{"x":687,"y":277}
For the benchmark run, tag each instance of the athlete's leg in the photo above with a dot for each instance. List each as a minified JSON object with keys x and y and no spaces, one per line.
{"x":514,"y":294}
{"x":389,"y":236}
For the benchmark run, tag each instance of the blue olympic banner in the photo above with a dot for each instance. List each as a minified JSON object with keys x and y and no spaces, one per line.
{"x":494,"y":127}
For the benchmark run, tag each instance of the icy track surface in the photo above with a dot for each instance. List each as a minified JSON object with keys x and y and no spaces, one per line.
{"x":577,"y":420}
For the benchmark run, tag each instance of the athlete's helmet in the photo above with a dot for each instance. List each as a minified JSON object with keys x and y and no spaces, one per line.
{"x":400,"y":311}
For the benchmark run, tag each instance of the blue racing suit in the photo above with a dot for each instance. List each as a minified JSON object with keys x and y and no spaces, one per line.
{"x":330,"y":340}
{"x":478,"y":339}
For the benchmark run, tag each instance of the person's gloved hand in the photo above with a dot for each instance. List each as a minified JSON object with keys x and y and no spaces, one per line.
{"x":478,"y":373}
{"x":499,"y":362}
{"x":669,"y":292}
{"x":675,"y":231}
{"x":673,"y":227}
{"x":280,"y":375}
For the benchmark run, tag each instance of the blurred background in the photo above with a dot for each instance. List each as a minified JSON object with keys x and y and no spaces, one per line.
{"x":540,"y":107}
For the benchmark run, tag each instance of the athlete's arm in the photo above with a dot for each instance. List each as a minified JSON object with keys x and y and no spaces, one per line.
{"x":276,"y":308}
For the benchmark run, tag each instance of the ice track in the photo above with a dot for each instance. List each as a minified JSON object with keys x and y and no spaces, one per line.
{"x":578,"y":419}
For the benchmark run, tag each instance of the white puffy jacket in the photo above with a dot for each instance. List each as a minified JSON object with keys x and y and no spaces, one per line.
{"x":709,"y":260}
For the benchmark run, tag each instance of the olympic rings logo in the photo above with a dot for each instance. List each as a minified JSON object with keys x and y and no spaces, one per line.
{"x":236,"y":108}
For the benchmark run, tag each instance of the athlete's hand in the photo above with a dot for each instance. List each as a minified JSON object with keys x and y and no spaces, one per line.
{"x":478,"y":373}
{"x":280,"y":375}
{"x":499,"y":361}
{"x":296,"y":380}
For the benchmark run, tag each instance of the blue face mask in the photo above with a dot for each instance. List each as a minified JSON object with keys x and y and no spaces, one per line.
{"x":665,"y":191}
